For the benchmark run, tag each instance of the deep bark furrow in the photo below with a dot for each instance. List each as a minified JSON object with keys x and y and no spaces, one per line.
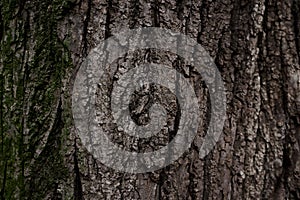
{"x":78,"y":195}
{"x":108,"y":19}
{"x":85,"y":28}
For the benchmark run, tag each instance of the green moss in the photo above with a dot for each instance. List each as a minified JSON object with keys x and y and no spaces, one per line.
{"x":35,"y":84}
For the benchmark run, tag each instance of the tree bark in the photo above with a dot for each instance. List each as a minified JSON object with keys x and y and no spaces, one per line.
{"x":256,"y":47}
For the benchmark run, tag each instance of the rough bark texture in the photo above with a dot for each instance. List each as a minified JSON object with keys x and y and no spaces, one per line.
{"x":256,"y":46}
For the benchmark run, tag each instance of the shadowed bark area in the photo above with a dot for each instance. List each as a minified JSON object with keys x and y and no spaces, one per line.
{"x":255,"y":45}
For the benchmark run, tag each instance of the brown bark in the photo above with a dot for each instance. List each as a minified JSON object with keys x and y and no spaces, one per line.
{"x":256,"y":47}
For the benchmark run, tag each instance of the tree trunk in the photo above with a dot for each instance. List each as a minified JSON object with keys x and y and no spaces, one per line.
{"x":256,"y":47}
